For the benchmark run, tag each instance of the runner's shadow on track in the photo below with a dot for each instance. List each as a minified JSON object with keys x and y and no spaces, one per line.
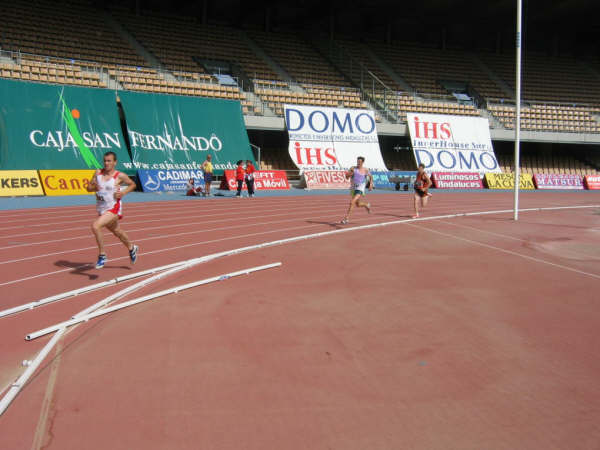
{"x":335,"y":225}
{"x":84,"y":268}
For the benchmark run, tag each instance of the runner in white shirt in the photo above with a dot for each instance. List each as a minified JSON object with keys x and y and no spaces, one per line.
{"x":106,"y":184}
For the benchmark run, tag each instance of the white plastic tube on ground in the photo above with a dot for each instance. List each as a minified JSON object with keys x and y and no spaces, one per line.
{"x":86,"y":317}
{"x":16,"y":387}
{"x":85,"y":289}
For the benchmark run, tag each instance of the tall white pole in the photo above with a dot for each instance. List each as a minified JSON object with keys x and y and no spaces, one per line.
{"x":518,"y":113}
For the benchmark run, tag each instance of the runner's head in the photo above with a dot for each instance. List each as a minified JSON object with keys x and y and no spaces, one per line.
{"x":421,"y":168}
{"x":248,"y":162}
{"x":110,"y":161}
{"x":360,"y":161}
{"x":208,"y":157}
{"x":240,"y":163}
{"x":191,"y":181}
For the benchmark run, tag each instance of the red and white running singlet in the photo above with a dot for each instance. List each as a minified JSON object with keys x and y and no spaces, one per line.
{"x":105,"y":196}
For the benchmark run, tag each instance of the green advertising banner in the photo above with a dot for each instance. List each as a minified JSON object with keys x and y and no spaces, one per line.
{"x":176,"y":132}
{"x":46,"y":126}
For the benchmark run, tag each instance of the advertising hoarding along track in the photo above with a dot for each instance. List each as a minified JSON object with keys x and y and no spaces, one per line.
{"x":264,"y":180}
{"x":332,"y":138}
{"x":171,"y":132}
{"x":169,"y":180}
{"x":20,"y":182}
{"x":452,"y":143}
{"x":592,"y":181}
{"x":44,"y":126}
{"x":456,"y":180}
{"x":66,"y":182}
{"x":507,"y":181}
{"x":557,"y":181}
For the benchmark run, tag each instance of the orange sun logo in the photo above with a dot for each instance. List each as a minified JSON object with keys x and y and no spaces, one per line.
{"x":76,"y":114}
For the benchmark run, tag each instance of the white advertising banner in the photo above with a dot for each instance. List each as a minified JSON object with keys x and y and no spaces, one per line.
{"x":332,"y":138}
{"x":452,"y":143}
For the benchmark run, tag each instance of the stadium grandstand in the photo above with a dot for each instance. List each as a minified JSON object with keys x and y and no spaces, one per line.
{"x":124,"y":47}
{"x":303,"y":224}
{"x":270,"y":60}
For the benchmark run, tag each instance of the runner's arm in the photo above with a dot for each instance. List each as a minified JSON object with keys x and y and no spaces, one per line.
{"x":349,"y":172}
{"x":122,"y":178}
{"x":370,"y":177}
{"x":93,"y":184}
{"x":428,"y":182}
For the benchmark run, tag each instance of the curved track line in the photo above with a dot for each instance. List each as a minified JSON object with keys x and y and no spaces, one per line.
{"x":187,"y":233}
{"x":510,"y":252}
{"x":314,"y":235}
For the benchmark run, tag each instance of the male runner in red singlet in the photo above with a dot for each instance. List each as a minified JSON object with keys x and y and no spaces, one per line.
{"x":106,"y":184}
{"x":422,"y":185}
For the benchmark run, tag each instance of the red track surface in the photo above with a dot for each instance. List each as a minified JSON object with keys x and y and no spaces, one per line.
{"x":473,"y":332}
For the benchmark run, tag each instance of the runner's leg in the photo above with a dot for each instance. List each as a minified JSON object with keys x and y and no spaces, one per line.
{"x":416,"y":204}
{"x":103,"y":221}
{"x":353,"y":203}
{"x":115,"y":229}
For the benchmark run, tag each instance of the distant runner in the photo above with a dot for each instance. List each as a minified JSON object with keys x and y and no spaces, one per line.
{"x":422,"y":185}
{"x":360,"y":178}
{"x":106,"y":184}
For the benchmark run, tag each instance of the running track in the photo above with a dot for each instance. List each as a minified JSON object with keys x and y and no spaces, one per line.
{"x":44,"y":252}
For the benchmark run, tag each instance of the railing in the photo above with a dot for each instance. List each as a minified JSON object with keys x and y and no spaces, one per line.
{"x":77,"y":69}
{"x":373,"y":90}
{"x":525,"y":102}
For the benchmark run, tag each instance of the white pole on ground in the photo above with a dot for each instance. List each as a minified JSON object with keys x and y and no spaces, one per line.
{"x":518,"y":112}
{"x":83,"y":318}
{"x":134,"y":287}
{"x":85,"y":289}
{"x":16,"y":387}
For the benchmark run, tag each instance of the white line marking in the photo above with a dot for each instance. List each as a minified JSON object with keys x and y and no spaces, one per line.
{"x":188,"y":220}
{"x":162,"y":236}
{"x":483,"y":231}
{"x":165,"y":236}
{"x":153,"y":209}
{"x":295,"y":228}
{"x":510,"y":252}
{"x":85,"y":316}
{"x":200,"y":216}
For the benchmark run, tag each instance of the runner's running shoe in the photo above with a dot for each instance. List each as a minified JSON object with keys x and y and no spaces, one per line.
{"x":101,"y":261}
{"x":133,"y":254}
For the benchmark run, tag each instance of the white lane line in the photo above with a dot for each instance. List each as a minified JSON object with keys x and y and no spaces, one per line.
{"x":483,"y":231}
{"x":148,"y":211}
{"x":185,"y":223}
{"x":200,"y":215}
{"x":173,"y":203}
{"x":509,"y":252}
{"x":152,"y":208}
{"x":163,"y":236}
{"x":282,"y":230}
{"x":167,"y":250}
